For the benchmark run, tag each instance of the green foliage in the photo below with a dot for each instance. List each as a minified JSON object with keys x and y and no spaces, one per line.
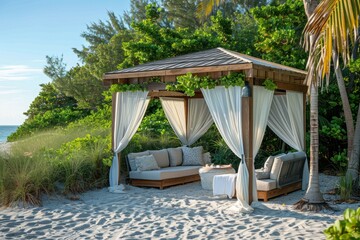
{"x":189,"y":83}
{"x":58,"y":117}
{"x":127,"y":87}
{"x":269,"y":84}
{"x":82,"y":163}
{"x":279,"y":33}
{"x":23,"y":177}
{"x":340,"y":161}
{"x":348,"y":228}
{"x":345,"y":187}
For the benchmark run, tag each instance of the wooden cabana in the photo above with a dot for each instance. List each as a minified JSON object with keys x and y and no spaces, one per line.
{"x":216,"y":63}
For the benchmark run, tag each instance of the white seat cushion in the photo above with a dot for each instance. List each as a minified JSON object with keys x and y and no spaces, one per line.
{"x":166,"y":173}
{"x":265,"y":184}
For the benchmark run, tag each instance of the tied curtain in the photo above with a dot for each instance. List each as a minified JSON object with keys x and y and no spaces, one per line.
{"x":286,"y":121}
{"x":262,"y":99}
{"x":130,"y":109}
{"x":191,"y":125}
{"x":225,"y":108}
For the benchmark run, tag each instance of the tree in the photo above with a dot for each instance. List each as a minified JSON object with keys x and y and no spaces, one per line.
{"x":100,"y":33}
{"x":183,"y":13}
{"x":333,"y":26}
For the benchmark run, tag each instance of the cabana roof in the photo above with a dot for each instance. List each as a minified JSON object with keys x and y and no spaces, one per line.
{"x":213,"y":62}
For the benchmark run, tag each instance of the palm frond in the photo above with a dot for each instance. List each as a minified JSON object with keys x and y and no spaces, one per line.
{"x":333,"y":26}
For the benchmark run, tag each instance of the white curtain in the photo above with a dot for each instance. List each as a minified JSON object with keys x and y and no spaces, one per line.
{"x":130,"y":108}
{"x":262,"y":99}
{"x":199,"y":119}
{"x":286,"y":121}
{"x":225,"y":107}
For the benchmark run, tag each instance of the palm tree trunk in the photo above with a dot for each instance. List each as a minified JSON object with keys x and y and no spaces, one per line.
{"x":313,"y":194}
{"x":349,"y":121}
{"x":354,"y":169}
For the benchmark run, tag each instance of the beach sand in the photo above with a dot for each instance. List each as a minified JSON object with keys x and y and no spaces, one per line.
{"x":180,"y":212}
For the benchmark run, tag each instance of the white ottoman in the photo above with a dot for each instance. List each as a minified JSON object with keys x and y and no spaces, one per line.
{"x":207,"y":174}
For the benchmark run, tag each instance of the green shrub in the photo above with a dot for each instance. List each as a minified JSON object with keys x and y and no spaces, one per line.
{"x":348,"y":228}
{"x":23,"y":177}
{"x":345,"y":187}
{"x":83,"y":163}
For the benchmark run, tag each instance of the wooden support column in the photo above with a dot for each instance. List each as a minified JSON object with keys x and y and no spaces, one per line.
{"x":113,"y":130}
{"x":247,"y":118}
{"x":304,"y":119}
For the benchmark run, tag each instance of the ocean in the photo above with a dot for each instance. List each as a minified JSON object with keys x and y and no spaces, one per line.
{"x":5,"y":131}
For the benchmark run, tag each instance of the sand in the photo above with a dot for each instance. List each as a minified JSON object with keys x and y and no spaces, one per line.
{"x":180,"y":212}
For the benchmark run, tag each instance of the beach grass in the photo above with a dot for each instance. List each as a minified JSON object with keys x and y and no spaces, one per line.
{"x":37,"y":164}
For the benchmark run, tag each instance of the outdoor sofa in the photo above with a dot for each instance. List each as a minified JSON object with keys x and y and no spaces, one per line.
{"x":166,"y":167}
{"x":280,"y":175}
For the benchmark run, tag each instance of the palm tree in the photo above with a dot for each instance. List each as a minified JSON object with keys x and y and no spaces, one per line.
{"x":329,"y":31}
{"x":334,"y":27}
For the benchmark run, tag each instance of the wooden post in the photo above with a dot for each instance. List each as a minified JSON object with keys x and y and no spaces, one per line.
{"x":247,"y":119}
{"x":113,"y":130}
{"x":304,"y":119}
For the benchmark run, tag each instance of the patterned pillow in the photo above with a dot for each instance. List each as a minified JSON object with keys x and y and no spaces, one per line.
{"x":132,"y":156}
{"x":192,"y":156}
{"x":175,"y":156}
{"x":146,"y":163}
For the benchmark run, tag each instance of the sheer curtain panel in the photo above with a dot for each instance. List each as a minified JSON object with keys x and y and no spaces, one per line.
{"x":130,"y":109}
{"x":199,"y":119}
{"x":225,"y":107}
{"x":286,"y":121}
{"x":262,"y":99}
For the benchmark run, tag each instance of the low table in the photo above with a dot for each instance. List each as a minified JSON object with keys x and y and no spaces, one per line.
{"x":207,"y":174}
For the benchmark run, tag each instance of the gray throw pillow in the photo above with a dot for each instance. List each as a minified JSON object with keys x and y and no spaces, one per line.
{"x":146,"y":163}
{"x":192,"y":156}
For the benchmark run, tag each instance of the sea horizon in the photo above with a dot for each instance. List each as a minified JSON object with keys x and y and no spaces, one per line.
{"x":5,"y":131}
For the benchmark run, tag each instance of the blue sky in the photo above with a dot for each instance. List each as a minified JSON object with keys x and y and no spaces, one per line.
{"x":32,"y":29}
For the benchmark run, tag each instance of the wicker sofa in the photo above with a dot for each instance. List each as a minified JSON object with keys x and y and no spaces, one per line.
{"x":285,"y":175}
{"x":173,"y":166}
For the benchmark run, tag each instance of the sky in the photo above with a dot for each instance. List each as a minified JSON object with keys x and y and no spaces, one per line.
{"x":32,"y":29}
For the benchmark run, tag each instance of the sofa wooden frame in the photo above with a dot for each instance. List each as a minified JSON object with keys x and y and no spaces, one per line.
{"x":266,"y":195}
{"x":164,"y":183}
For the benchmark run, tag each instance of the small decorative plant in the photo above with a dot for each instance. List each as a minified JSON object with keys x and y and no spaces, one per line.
{"x":127,"y":87}
{"x":348,"y":228}
{"x":269,"y":84}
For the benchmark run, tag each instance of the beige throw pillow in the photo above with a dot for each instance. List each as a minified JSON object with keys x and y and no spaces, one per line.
{"x":146,"y":163}
{"x":161,"y":157}
{"x":175,"y":156}
{"x":192,"y":156}
{"x":261,"y":175}
{"x":207,"y":158}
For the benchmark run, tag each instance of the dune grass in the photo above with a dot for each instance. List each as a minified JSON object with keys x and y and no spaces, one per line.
{"x":35,"y":165}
